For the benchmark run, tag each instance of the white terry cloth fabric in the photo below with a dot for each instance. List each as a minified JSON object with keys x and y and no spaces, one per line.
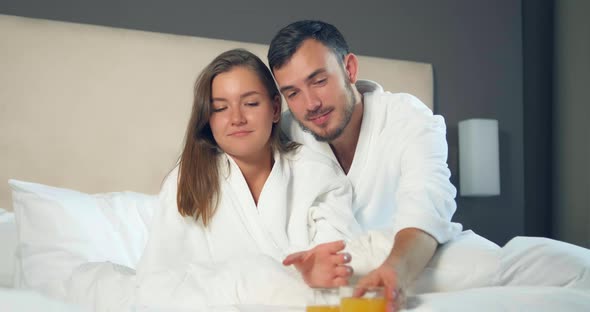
{"x":494,"y":299}
{"x":101,"y":286}
{"x":538,"y":261}
{"x":399,"y":172}
{"x":467,"y":261}
{"x":245,"y":242}
{"x":32,"y":301}
{"x":254,"y":280}
{"x":470,"y":261}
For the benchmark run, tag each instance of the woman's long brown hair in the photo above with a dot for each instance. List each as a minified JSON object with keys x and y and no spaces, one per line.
{"x":198,"y":175}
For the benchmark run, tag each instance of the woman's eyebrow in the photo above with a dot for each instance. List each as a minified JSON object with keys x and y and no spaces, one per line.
{"x":248,"y":94}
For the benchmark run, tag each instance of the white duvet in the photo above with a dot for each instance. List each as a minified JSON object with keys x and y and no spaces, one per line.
{"x":177,"y":278}
{"x":515,"y":299}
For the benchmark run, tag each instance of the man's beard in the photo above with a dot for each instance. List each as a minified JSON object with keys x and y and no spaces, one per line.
{"x":348,"y":110}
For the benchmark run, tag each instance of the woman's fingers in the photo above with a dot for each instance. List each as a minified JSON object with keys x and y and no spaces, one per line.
{"x":294,"y":257}
{"x":340,"y":258}
{"x":331,"y":247}
{"x":339,"y":281}
{"x":343,"y":271}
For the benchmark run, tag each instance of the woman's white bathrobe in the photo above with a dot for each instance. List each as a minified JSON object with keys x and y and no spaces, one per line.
{"x":237,"y":258}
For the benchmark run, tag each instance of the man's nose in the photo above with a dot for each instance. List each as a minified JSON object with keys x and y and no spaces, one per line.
{"x":312,"y":101}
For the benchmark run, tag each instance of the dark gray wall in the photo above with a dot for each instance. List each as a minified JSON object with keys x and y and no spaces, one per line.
{"x":571,"y":169}
{"x":538,"y":115}
{"x":475,"y":47}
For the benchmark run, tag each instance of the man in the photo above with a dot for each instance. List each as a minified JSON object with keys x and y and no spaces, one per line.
{"x":399,"y":174}
{"x":394,"y":152}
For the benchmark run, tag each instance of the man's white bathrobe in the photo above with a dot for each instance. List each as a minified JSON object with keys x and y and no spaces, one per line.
{"x":401,"y":180}
{"x":399,"y":172}
{"x":237,"y":258}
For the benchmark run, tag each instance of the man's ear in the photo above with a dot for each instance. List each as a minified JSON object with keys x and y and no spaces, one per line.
{"x":351,"y":66}
{"x":276,"y":109}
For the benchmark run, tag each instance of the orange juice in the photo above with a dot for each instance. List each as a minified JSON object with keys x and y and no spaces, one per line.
{"x":322,"y":308}
{"x":351,"y":304}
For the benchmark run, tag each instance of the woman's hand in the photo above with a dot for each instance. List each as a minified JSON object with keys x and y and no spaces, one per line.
{"x":322,"y":266}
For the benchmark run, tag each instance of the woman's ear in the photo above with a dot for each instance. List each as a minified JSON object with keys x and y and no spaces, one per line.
{"x":351,"y":67}
{"x":276,"y":106}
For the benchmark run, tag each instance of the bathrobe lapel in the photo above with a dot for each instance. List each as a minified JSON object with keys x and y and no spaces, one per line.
{"x":266,"y":222}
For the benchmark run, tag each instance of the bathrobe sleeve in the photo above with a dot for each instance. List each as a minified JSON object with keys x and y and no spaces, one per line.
{"x":328,"y":204}
{"x":330,"y":216}
{"x":425,"y":196}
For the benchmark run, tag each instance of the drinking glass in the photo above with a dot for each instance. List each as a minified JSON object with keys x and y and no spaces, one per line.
{"x":324,"y":300}
{"x":373,"y":300}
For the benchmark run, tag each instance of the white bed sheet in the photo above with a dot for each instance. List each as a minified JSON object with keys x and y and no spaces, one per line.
{"x":481,"y":299}
{"x":476,"y":299}
{"x":100,"y":291}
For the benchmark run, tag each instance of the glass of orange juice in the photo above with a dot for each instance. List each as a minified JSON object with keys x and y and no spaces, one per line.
{"x":324,"y":300}
{"x":373,"y":300}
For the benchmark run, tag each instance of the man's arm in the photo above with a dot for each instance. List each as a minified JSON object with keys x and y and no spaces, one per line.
{"x":424,"y":200}
{"x":411,"y":252}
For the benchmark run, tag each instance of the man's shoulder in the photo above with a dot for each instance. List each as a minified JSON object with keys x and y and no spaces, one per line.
{"x":384,"y":104}
{"x":305,"y":157}
{"x":398,"y":103}
{"x":399,"y":115}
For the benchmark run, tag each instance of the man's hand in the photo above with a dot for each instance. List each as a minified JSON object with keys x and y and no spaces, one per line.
{"x":385,"y":276}
{"x":412,"y":250}
{"x":323,"y":265}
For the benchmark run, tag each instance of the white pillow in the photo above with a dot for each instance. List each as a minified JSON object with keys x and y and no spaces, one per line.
{"x":60,"y":229}
{"x":7,"y":247}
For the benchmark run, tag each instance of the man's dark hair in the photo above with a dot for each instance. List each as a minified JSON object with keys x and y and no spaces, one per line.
{"x":289,"y":39}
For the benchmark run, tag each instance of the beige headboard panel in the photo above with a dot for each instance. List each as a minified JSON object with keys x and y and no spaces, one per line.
{"x":103,"y":109}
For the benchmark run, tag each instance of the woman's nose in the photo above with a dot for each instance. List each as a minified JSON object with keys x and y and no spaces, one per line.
{"x":237,"y":117}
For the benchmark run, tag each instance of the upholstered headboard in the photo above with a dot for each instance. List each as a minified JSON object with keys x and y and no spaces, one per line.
{"x":102,"y":109}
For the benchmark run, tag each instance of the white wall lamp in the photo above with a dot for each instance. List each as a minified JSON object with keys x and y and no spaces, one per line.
{"x":479,"y":158}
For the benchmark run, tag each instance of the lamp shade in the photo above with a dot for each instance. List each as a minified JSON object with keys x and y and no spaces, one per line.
{"x":479,"y":158}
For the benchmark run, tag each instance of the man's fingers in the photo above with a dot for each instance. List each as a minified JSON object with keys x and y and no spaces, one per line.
{"x":390,"y":293}
{"x":391,"y":289}
{"x":371,"y":280}
{"x":293,"y":258}
{"x":359,"y":291}
{"x":399,"y":302}
{"x":368,"y":281}
{"x":394,"y":295}
{"x":390,"y":307}
{"x":361,"y":286}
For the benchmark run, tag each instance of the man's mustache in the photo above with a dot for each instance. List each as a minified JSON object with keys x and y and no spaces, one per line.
{"x":317,"y":113}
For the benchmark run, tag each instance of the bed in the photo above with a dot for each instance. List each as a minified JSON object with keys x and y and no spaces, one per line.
{"x":95,"y":118}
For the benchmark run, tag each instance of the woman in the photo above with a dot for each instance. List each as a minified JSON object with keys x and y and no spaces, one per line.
{"x":242,"y":197}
